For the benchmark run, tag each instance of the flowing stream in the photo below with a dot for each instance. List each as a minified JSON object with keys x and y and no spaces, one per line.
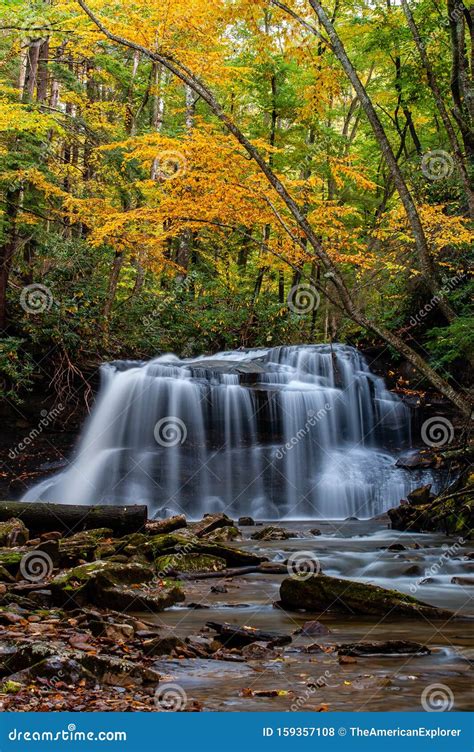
{"x":303,"y":432}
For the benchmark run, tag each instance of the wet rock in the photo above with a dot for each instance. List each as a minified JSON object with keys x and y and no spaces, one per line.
{"x":271,"y":533}
{"x":346,"y":659}
{"x":452,"y":512}
{"x":351,"y":519}
{"x":85,"y":583}
{"x":312,"y":628}
{"x":118,"y":672}
{"x":413,"y":571}
{"x":272,"y":567}
{"x":418,"y":459}
{"x":113,"y":631}
{"x":246,"y":522}
{"x":122,"y":598}
{"x":159,"y":527}
{"x":232,"y":635}
{"x":224,"y":534}
{"x":162,"y":645}
{"x":219,"y":589}
{"x":209,"y":523}
{"x":51,"y":549}
{"x":5,"y":575}
{"x":258,"y":651}
{"x":13,"y":533}
{"x":464,"y":581}
{"x":189,"y":563}
{"x":389,"y":647}
{"x":321,"y":592}
{"x":420,"y":495}
{"x":81,"y":546}
{"x":315,"y":531}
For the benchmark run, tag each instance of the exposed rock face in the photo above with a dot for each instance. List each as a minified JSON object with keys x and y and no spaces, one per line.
{"x":321,"y":593}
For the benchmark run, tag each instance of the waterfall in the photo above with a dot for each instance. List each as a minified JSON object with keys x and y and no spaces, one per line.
{"x":303,"y":432}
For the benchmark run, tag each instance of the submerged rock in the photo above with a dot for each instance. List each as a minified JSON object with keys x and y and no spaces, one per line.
{"x":232,"y":635}
{"x":390,"y":647}
{"x":321,"y":593}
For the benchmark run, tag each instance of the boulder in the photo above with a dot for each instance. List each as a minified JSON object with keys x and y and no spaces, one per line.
{"x":321,"y":593}
{"x":13,"y":532}
{"x":85,"y":582}
{"x":224,"y":534}
{"x":173,"y":543}
{"x":272,"y":533}
{"x":209,"y":523}
{"x":10,"y":560}
{"x":159,"y":527}
{"x":123,"y":598}
{"x":189,"y":563}
{"x":421,"y":495}
{"x":81,"y":546}
{"x":246,"y":521}
{"x":232,"y":635}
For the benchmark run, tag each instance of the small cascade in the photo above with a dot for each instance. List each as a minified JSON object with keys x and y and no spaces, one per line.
{"x":303,"y":432}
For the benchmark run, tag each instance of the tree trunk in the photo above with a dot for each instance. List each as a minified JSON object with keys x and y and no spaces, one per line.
{"x":40,"y":517}
{"x":426,"y":262}
{"x":461,"y":401}
{"x":8,"y":248}
{"x":433,"y":84}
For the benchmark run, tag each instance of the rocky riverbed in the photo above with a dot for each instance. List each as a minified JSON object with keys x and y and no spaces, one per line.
{"x":217,"y":615}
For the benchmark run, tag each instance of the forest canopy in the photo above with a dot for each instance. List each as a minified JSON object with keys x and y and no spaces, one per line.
{"x":194,"y":176}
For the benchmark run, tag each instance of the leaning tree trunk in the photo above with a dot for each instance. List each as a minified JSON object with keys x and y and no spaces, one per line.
{"x":185,"y":75}
{"x":433,"y":84}
{"x":425,"y":258}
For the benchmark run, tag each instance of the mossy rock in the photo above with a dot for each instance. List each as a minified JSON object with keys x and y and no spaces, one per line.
{"x":86,"y":581}
{"x":13,"y":532}
{"x":224,"y":534}
{"x":319,"y":593}
{"x":271,"y":533}
{"x":11,"y":560}
{"x":123,"y":598}
{"x":190,"y":563}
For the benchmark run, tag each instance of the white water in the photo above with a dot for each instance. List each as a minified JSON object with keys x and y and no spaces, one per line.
{"x":290,"y":432}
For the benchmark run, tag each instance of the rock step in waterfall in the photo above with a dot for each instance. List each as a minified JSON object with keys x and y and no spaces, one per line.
{"x":301,"y":432}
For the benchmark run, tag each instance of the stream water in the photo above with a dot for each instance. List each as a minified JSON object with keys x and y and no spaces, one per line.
{"x":285,"y":433}
{"x":356,"y":550}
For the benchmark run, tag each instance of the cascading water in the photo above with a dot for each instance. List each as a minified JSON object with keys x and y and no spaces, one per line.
{"x":303,"y":432}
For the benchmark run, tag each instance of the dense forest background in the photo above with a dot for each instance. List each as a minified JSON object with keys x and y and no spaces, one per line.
{"x":141,"y":167}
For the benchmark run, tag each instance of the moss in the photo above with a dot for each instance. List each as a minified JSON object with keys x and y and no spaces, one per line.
{"x":190,"y":563}
{"x":11,"y":687}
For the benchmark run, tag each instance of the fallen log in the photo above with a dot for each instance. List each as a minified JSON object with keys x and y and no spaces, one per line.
{"x":41,"y":517}
{"x":232,"y":635}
